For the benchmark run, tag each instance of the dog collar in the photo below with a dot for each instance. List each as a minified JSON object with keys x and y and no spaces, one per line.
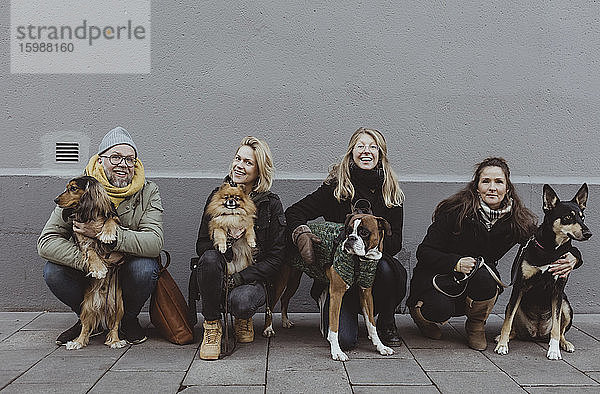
{"x":538,"y":244}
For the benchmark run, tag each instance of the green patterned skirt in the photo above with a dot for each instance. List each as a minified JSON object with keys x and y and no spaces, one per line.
{"x":343,"y":263}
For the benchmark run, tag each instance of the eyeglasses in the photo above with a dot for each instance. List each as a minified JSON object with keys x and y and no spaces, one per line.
{"x":115,"y":160}
{"x":371,"y":148}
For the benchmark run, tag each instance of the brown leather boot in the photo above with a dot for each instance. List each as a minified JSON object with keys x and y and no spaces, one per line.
{"x":477,"y":313}
{"x":210,"y":349}
{"x":428,"y":328}
{"x":244,"y":330}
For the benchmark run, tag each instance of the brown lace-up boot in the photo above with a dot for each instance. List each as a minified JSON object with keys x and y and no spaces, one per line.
{"x":244,"y":330}
{"x":428,"y":328}
{"x":477,"y":313}
{"x":211,"y":342}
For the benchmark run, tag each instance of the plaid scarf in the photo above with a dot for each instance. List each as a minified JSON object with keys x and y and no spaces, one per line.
{"x":490,"y":216}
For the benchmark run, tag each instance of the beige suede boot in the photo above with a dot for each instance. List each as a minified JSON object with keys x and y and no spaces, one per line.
{"x":244,"y":330}
{"x":210,"y":349}
{"x":428,"y":328}
{"x":477,"y":313}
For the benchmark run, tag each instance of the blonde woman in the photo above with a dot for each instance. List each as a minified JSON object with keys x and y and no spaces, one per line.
{"x":252,"y":167}
{"x":363,"y":173}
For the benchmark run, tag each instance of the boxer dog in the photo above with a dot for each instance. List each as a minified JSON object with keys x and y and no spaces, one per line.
{"x":361,"y":236}
{"x":364,"y":238}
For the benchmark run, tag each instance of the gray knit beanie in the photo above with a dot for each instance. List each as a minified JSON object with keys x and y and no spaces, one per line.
{"x":116,"y":136}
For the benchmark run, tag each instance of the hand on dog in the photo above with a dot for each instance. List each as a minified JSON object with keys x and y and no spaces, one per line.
{"x":305,"y":246}
{"x":236,"y":233}
{"x":563,"y":266}
{"x":465,"y":265}
{"x":89,"y":229}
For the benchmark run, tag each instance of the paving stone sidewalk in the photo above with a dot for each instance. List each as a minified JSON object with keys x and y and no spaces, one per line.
{"x":296,"y":360}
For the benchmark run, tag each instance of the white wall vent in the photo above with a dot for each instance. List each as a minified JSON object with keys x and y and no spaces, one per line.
{"x":67,"y":152}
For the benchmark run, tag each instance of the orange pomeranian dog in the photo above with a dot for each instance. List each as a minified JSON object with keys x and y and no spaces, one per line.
{"x":230,"y":210}
{"x":86,"y":200}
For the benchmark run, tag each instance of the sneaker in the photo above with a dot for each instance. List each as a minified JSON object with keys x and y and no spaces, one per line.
{"x":210,"y":349}
{"x":131,"y":331}
{"x":244,"y":330}
{"x":73,"y":332}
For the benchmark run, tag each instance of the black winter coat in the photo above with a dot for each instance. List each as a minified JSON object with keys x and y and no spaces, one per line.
{"x":442,"y":247}
{"x":270,"y":237}
{"x":322,"y":203}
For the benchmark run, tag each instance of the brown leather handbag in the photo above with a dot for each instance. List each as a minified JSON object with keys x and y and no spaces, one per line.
{"x":168,"y":309}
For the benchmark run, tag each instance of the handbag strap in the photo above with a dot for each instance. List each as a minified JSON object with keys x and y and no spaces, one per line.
{"x":159,"y":260}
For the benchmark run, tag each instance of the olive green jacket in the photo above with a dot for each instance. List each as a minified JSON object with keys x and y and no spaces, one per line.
{"x":140,"y":233}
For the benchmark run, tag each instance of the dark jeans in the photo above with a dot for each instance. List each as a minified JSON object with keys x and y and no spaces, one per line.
{"x":388,"y":291}
{"x":137,"y":276}
{"x":438,"y":307}
{"x":244,"y":300}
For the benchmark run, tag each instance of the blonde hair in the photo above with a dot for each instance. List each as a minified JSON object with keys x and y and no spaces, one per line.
{"x":264,"y":161}
{"x":393,"y":196}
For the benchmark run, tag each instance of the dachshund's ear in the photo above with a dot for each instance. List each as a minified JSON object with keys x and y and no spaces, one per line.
{"x":86,"y":206}
{"x":66,"y":214}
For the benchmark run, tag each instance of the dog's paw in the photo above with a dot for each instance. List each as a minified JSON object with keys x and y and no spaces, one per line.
{"x":501,"y":348}
{"x":339,"y":355}
{"x":116,"y":345}
{"x":222,"y":248}
{"x":268,"y":332}
{"x":99,"y":273}
{"x":287,"y":323}
{"x":553,"y":354}
{"x":553,"y":350}
{"x":567,"y":346}
{"x":73,"y":345}
{"x":107,"y":237}
{"x":384,"y":350}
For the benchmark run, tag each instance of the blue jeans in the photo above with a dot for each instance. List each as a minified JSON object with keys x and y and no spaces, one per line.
{"x":244,"y":300}
{"x":138,"y":277}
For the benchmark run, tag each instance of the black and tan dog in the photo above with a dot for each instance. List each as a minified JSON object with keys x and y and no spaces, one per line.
{"x":362,"y":236}
{"x":84,"y":199}
{"x":538,"y":306}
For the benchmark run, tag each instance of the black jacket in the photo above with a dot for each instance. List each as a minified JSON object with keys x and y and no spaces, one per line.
{"x":322,"y":203}
{"x":443,"y":246}
{"x":270,"y":237}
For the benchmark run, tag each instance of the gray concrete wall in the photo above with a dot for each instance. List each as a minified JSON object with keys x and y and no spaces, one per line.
{"x":447,"y":83}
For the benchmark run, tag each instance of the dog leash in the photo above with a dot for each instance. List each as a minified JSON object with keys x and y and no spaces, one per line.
{"x":518,"y":259}
{"x":228,"y":347}
{"x":464,"y":280}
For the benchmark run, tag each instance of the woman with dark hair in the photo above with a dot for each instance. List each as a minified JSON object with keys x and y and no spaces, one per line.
{"x":485,"y":219}
{"x":364,"y":173}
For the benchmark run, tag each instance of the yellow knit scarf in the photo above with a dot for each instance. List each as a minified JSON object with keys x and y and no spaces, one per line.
{"x":116,"y":194}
